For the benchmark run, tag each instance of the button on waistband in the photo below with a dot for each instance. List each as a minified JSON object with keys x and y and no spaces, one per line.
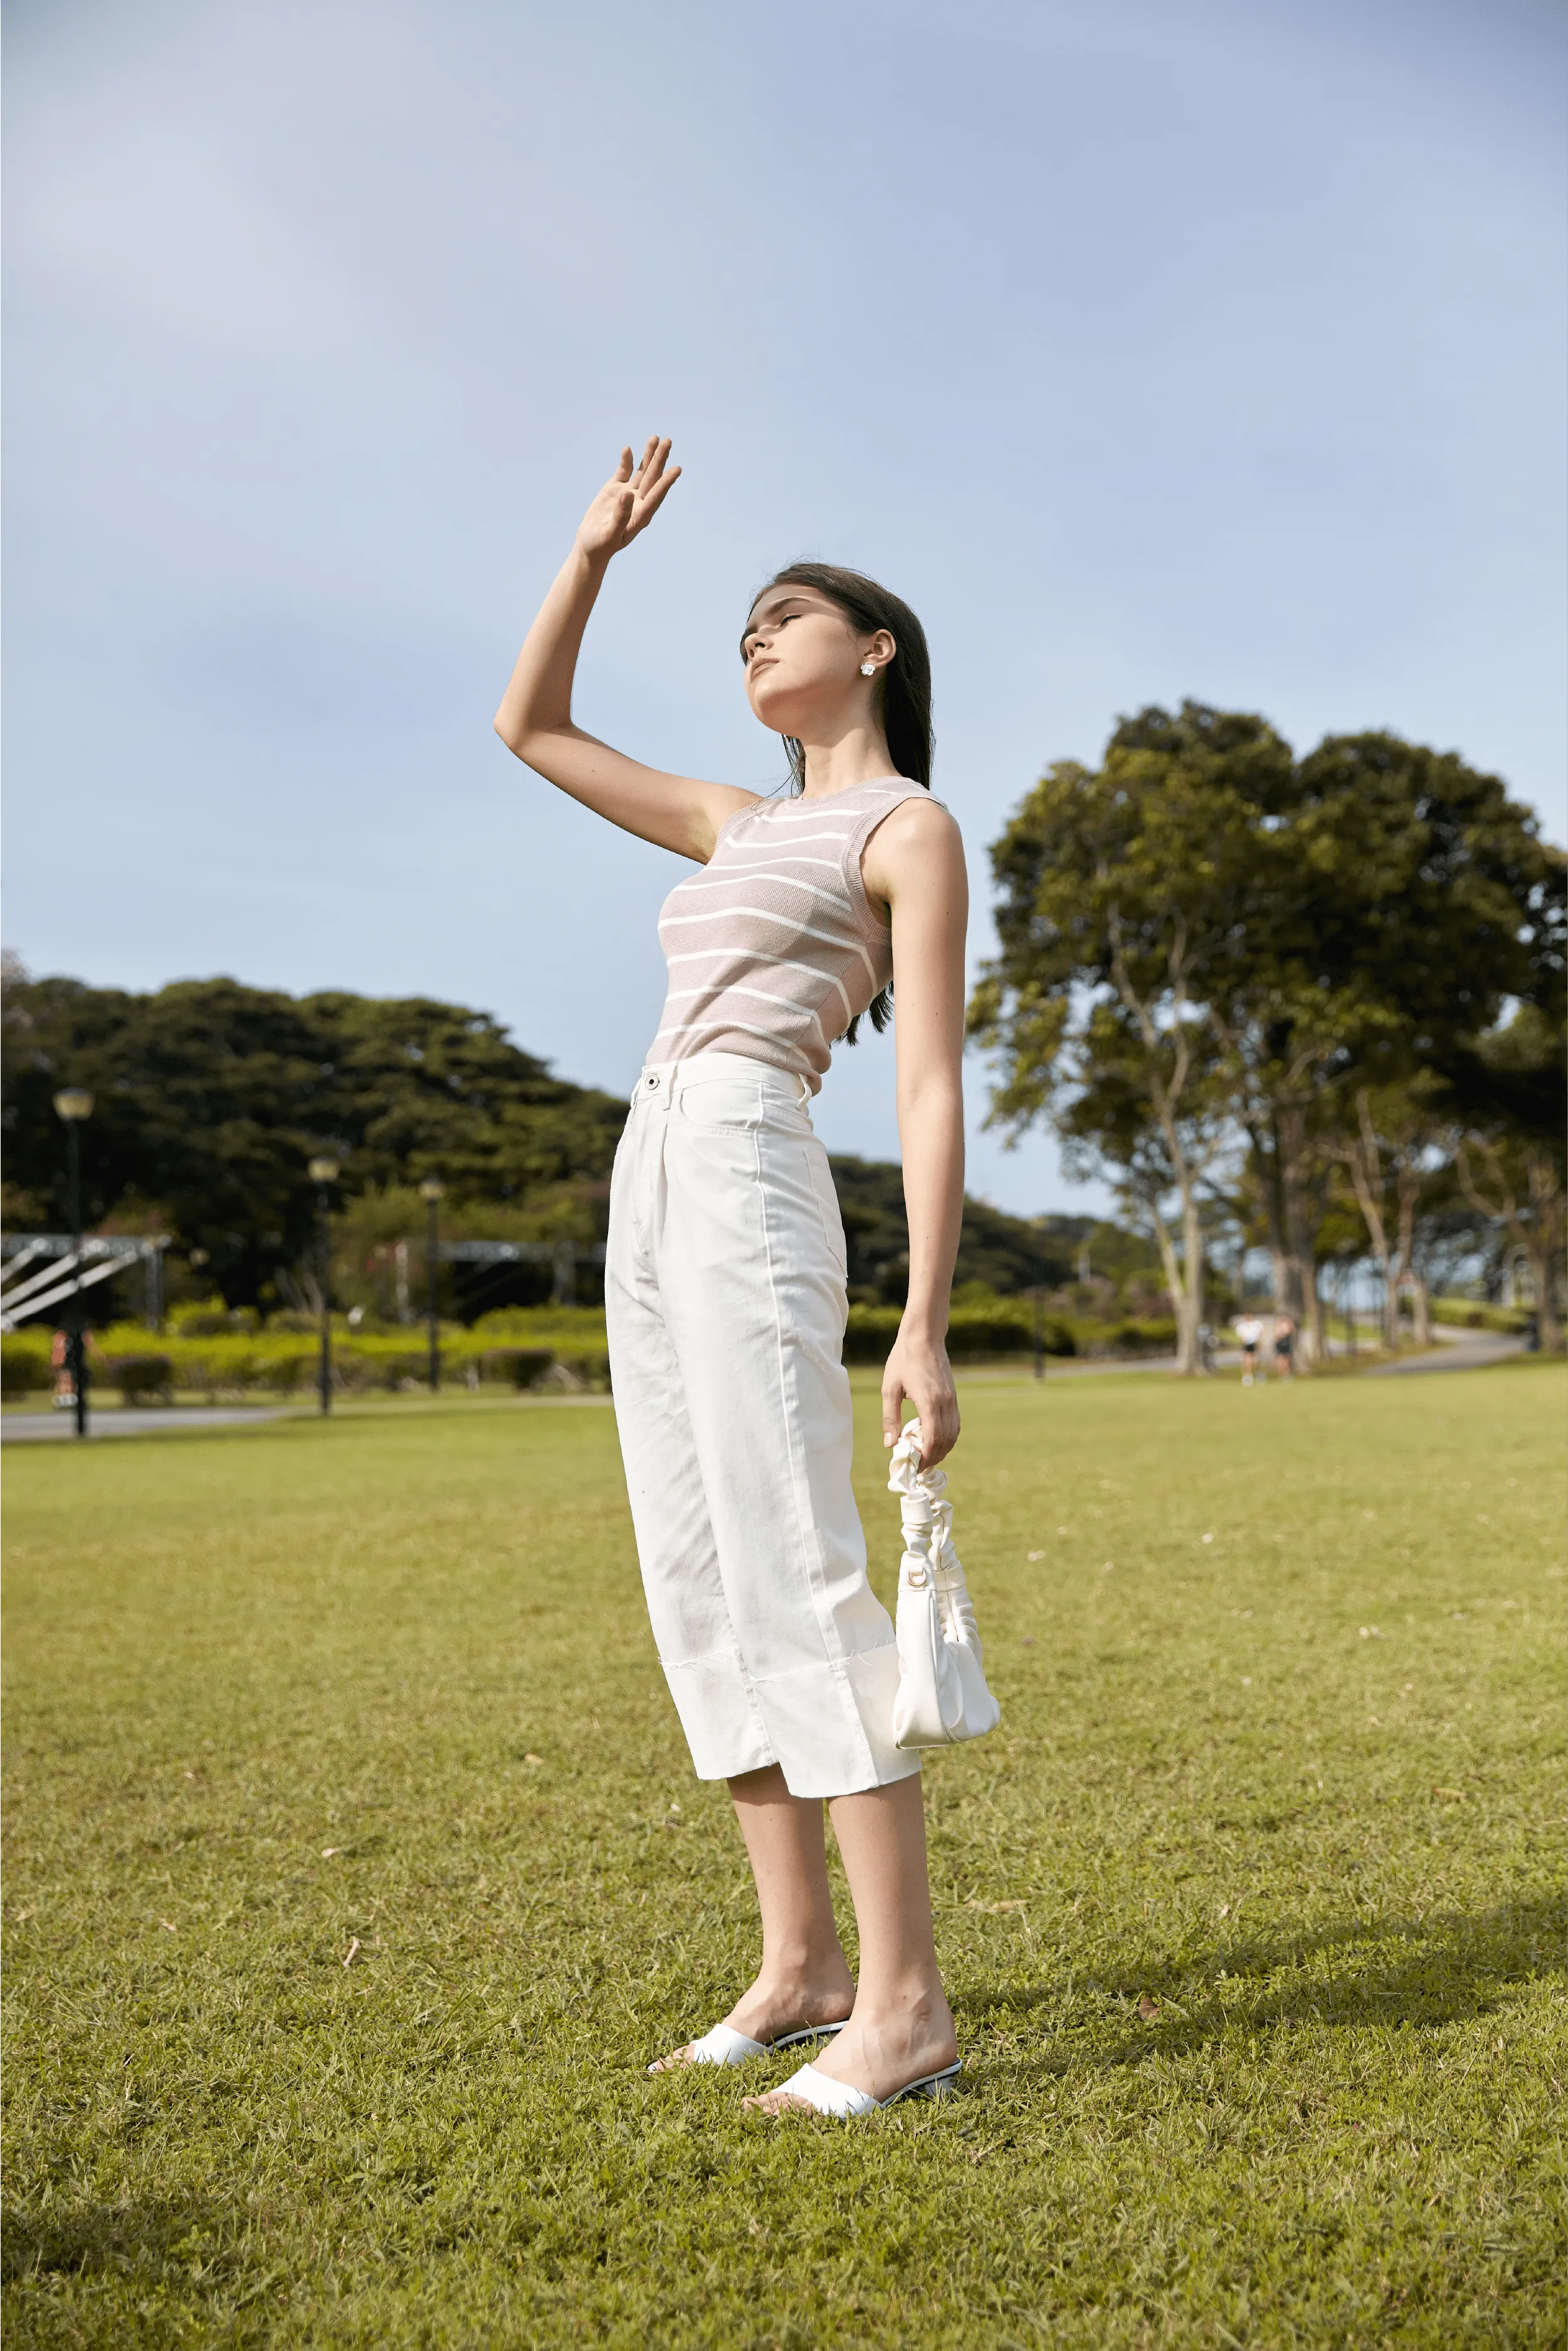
{"x":651,"y":1081}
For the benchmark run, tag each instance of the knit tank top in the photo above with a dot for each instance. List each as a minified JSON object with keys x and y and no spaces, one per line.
{"x":773,"y":948}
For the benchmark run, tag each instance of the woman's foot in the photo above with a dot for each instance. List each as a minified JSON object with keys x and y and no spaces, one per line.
{"x":884,"y":2052}
{"x":772,"y":2007}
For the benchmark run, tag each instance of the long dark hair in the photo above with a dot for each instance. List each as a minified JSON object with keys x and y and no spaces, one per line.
{"x":903,"y":691}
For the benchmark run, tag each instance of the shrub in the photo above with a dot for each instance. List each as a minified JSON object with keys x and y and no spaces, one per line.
{"x":525,"y":1367}
{"x":1135,"y":1337}
{"x":142,"y":1379}
{"x":1470,"y":1314}
{"x":1004,"y":1328}
{"x":24,"y":1364}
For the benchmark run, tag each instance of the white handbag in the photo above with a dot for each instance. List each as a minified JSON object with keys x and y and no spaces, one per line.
{"x":942,"y":1694}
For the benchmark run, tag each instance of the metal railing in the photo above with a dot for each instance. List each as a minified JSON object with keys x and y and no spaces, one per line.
{"x":70,"y":1270}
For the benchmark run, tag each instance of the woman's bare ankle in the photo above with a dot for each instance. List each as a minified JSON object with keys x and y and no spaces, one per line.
{"x":784,"y":2001}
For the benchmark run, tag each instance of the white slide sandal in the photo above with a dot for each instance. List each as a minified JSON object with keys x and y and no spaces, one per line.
{"x":725,"y":2046}
{"x":841,"y":2099}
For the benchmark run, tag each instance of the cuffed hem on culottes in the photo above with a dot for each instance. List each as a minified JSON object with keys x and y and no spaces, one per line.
{"x":724,"y":1289}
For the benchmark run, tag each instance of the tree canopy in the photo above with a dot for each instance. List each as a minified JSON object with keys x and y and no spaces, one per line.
{"x":1212,"y":953}
{"x":211,"y":1097}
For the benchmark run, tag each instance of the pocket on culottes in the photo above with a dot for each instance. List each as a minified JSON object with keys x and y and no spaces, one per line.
{"x":722,"y":1105}
{"x":821,"y":1179}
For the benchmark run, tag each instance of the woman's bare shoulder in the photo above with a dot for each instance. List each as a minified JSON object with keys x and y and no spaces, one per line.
{"x":919,"y":827}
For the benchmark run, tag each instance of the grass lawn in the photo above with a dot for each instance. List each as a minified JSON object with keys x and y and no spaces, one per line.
{"x":1250,"y":1909}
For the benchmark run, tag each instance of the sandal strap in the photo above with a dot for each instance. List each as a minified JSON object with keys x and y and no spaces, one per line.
{"x":725,"y":2046}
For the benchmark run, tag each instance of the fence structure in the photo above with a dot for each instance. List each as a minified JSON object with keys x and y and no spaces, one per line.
{"x":562,"y":1256}
{"x":38,"y":1271}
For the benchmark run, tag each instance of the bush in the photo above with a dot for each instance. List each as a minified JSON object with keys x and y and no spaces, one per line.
{"x":142,"y":1379}
{"x":1470,"y":1314}
{"x":1004,"y":1328}
{"x":24,"y":1369}
{"x":1149,"y":1338}
{"x":525,"y":1367}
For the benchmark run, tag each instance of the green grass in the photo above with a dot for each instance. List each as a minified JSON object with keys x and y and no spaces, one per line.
{"x":1250,"y":1915}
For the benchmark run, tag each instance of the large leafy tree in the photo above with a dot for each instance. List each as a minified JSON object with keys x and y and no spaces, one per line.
{"x":211,"y":1097}
{"x":1346,"y":921}
{"x":1121,"y":889}
{"x":1510,"y":1148}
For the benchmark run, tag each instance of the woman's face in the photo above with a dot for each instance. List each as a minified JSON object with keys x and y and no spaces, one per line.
{"x":803,"y":656}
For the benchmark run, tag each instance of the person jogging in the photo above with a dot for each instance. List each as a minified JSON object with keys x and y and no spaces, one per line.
{"x":1249,"y":1331}
{"x":725,"y":1279}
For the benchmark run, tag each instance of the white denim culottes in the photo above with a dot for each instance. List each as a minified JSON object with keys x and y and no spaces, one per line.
{"x":724,"y":1288}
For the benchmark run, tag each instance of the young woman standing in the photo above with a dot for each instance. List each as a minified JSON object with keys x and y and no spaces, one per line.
{"x":725,"y":1279}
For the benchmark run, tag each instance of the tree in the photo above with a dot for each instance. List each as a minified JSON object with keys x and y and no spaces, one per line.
{"x":1509,"y":1151}
{"x":210,"y":1098}
{"x":1119,"y":888}
{"x":1341,"y":922}
{"x":1389,"y":1152}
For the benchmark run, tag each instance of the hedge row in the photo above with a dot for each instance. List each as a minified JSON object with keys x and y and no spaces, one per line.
{"x":284,"y":1363}
{"x":563,"y":1350}
{"x":1469,"y":1314}
{"x":1008,"y":1329}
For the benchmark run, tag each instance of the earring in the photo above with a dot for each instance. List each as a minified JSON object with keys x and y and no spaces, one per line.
{"x":868,"y":669}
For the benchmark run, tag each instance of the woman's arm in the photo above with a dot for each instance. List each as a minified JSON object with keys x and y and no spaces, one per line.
{"x":535,"y":717}
{"x":915,"y":862}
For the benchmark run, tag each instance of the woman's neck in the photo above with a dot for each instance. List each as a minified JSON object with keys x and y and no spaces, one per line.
{"x":858,"y":756}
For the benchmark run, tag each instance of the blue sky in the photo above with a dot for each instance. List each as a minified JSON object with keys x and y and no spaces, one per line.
{"x":1147,"y":350}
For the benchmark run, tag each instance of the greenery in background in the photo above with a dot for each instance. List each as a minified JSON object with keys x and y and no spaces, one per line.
{"x":567,"y":1344}
{"x":1316,"y":1003}
{"x":1251,"y":1908}
{"x":210,"y":1098}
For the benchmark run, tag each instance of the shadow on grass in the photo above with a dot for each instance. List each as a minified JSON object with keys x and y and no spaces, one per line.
{"x":202,"y":2242}
{"x":1444,"y":1969}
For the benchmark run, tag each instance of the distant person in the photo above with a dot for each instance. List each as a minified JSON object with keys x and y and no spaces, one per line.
{"x":725,"y":1281}
{"x":1284,"y":1342}
{"x":1249,"y":1331}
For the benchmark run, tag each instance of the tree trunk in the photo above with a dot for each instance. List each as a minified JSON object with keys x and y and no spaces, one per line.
{"x":1537,"y":1230}
{"x":1363,"y":1157}
{"x":1421,"y":1310}
{"x":1186,"y":1308}
{"x":1316,"y":1337}
{"x":1545,"y":1242}
{"x":1295,"y":1269}
{"x":1190,"y":1356}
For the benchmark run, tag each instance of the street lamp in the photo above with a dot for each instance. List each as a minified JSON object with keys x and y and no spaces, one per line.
{"x":433,"y":1191}
{"x":74,"y":1104}
{"x":324,"y":1172}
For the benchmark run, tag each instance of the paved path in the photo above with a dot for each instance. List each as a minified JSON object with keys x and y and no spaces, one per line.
{"x":43,"y":1428}
{"x":1466,"y":1351}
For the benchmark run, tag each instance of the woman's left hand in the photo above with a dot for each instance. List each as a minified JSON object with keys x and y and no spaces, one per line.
{"x":919,"y":1370}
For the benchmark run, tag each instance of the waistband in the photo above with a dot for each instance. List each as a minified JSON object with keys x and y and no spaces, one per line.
{"x":667,"y":1080}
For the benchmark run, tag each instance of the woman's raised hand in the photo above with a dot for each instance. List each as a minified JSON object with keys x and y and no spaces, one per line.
{"x":628,"y":502}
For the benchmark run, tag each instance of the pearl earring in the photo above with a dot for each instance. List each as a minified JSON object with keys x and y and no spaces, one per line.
{"x":868,"y":669}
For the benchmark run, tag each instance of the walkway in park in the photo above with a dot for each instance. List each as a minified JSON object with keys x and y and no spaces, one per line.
{"x":39,"y":1427}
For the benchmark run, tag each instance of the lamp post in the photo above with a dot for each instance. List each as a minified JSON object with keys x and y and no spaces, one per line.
{"x":433,"y":1191}
{"x":73,"y":1104}
{"x":324,"y":1172}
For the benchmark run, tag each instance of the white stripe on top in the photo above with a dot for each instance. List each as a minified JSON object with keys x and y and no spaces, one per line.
{"x":769,"y":947}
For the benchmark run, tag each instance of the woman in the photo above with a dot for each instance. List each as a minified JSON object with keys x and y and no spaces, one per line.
{"x":725,"y":1279}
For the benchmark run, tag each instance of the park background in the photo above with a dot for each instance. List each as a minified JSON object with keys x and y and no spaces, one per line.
{"x":1197,"y":373}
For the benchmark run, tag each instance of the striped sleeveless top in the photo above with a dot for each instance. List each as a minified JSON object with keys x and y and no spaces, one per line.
{"x":773,"y":947}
